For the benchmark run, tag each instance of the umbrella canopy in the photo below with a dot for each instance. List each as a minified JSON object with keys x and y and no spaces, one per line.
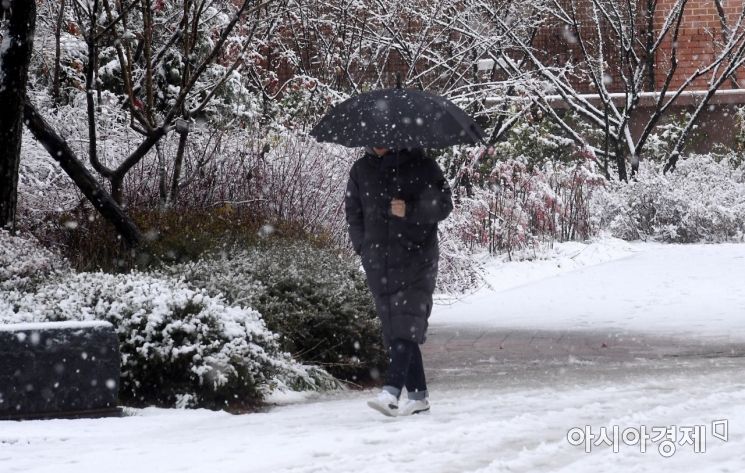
{"x":397,"y":118}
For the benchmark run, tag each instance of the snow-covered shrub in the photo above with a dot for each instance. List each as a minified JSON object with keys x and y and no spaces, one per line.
{"x":536,"y":139}
{"x":702,"y":200}
{"x":276,"y":177}
{"x":302,"y":103}
{"x":517,"y":206}
{"x":458,"y":269}
{"x":180,"y":346}
{"x":24,"y":264}
{"x":316,"y":299}
{"x":665,"y":136}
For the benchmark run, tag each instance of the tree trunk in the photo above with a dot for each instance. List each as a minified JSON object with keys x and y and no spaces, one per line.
{"x":162,"y":179}
{"x":15,"y":55}
{"x":56,"y":93}
{"x":621,"y":163}
{"x":117,"y":190}
{"x":177,"y":167}
{"x":97,"y":195}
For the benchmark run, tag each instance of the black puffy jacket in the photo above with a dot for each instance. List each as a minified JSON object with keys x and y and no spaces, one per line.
{"x":399,"y":255}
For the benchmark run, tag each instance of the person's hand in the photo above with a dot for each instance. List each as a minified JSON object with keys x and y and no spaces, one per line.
{"x":398,"y":208}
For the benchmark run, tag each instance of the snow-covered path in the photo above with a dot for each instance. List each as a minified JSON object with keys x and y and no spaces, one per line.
{"x":492,"y":429}
{"x":510,"y":375}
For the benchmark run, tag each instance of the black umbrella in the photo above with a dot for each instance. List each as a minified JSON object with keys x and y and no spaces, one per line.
{"x":397,"y":118}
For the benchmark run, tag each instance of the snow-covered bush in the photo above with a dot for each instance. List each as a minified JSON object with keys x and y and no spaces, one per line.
{"x":702,"y":200}
{"x":285,"y":179}
{"x":458,"y":270}
{"x":316,"y":299}
{"x":536,"y":139}
{"x":665,"y":136}
{"x":180,"y":346}
{"x":518,"y":206}
{"x":24,"y":264}
{"x":275,"y":177}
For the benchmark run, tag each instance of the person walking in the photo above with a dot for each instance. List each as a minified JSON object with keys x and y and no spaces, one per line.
{"x":395,"y":198}
{"x":394,"y":202}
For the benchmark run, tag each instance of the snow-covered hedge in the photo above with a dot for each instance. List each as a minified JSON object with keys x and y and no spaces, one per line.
{"x":316,"y":298}
{"x":24,"y":264}
{"x":180,"y":346}
{"x":703,"y":200}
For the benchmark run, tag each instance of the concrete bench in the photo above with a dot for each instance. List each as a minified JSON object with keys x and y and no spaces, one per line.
{"x":58,"y":369}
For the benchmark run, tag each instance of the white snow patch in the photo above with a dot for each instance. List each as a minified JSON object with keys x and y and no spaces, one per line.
{"x":41,"y":326}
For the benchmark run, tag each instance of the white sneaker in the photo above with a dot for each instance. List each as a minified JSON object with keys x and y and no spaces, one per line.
{"x":414,"y":406}
{"x":385,"y":403}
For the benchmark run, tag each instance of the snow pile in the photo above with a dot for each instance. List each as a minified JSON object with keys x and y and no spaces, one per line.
{"x":180,"y":346}
{"x":561,"y":258}
{"x":501,"y":273}
{"x":703,"y":200}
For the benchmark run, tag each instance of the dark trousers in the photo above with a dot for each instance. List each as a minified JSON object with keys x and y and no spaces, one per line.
{"x":406,"y":369}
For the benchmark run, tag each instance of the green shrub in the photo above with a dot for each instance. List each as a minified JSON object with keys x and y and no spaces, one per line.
{"x":316,"y":299}
{"x":180,"y":347}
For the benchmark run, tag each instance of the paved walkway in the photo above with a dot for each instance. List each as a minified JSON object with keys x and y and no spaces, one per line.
{"x":483,"y":357}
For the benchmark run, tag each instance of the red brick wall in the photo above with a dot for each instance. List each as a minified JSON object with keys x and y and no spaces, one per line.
{"x":557,"y":44}
{"x":701,"y":23}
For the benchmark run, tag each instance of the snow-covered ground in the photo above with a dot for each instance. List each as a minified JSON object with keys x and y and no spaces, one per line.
{"x":688,"y":290}
{"x":497,"y":430}
{"x":506,"y":418}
